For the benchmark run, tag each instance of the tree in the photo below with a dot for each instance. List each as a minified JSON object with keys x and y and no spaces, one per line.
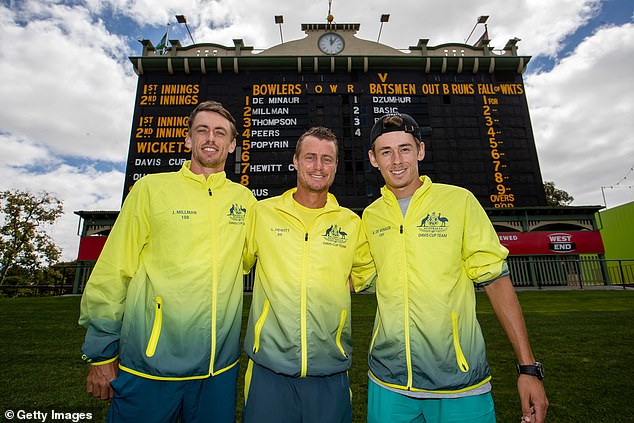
{"x":24,"y":241}
{"x":556,"y":197}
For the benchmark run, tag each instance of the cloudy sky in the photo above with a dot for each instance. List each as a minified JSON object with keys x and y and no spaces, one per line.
{"x":68,"y":87}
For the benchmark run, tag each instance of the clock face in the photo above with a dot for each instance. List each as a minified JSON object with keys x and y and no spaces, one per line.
{"x":331,"y":43}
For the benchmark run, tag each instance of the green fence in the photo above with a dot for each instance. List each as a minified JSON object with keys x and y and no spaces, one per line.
{"x":529,"y":271}
{"x":582,"y":271}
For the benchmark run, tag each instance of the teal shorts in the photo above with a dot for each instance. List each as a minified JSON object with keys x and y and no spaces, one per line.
{"x":138,"y":399}
{"x":388,"y":406}
{"x":273,"y":397}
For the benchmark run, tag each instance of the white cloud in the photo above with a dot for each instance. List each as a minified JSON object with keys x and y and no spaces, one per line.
{"x":66,"y":82}
{"x":19,"y":152}
{"x":582,"y":117}
{"x":67,"y":92}
{"x":540,"y":24}
{"x":79,"y":188}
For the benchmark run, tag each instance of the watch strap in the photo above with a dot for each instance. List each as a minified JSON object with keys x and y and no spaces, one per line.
{"x":536,"y":370}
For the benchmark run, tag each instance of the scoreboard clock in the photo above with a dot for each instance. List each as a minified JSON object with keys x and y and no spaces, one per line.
{"x":472,"y":108}
{"x":331,"y":43}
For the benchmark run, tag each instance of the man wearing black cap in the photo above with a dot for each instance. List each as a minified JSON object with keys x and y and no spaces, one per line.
{"x":431,"y":242}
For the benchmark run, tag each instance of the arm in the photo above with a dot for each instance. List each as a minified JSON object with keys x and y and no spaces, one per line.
{"x":509,"y":313}
{"x":104,"y":298}
{"x":363,"y":269}
{"x":249,"y":252}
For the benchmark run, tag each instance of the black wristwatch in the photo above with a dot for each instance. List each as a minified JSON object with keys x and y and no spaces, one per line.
{"x":536,"y":370}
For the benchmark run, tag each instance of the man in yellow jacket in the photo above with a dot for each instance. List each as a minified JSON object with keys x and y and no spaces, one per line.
{"x":298,"y":334}
{"x":431,"y":242}
{"x":163,"y":305}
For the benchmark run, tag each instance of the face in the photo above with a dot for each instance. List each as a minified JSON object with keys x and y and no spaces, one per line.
{"x":211,"y":141}
{"x":396,"y":155}
{"x":316,"y":165}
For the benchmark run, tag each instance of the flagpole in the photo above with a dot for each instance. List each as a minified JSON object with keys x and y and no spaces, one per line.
{"x":167,"y":37}
{"x":161,"y":47}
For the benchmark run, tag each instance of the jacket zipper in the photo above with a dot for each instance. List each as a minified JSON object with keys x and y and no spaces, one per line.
{"x":156,"y":328}
{"x":258,"y":325}
{"x":342,"y":323}
{"x":376,"y":333}
{"x":303,"y":296}
{"x":408,"y":352}
{"x":214,"y":237}
{"x":460,"y":358}
{"x":303,"y":311}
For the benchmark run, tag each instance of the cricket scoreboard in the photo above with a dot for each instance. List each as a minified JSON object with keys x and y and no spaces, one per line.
{"x":472,"y":110}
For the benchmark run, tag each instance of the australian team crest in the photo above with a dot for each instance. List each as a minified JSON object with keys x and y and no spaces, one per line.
{"x":434,"y":224}
{"x":236,"y":214}
{"x":335,"y":235}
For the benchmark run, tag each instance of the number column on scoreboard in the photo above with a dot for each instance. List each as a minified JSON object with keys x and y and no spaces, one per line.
{"x":359,"y":150}
{"x":243,"y":151}
{"x":350,"y":180}
{"x":502,"y":196}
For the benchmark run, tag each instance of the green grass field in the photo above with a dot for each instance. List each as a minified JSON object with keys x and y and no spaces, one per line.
{"x":584,"y":338}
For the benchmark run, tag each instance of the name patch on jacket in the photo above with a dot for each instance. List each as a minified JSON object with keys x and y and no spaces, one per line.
{"x":335,"y":236}
{"x":381,"y":231}
{"x":236,"y":215}
{"x":184,"y":214}
{"x":434,"y":224}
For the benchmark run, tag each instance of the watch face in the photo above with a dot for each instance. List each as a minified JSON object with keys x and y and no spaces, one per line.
{"x":331,"y":43}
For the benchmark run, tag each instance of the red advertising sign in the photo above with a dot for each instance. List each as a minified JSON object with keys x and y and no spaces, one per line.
{"x":544,"y":243}
{"x":90,"y":247}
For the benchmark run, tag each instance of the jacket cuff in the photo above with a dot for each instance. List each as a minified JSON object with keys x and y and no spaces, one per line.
{"x":505,"y":272}
{"x":102,"y":341}
{"x":99,"y":363}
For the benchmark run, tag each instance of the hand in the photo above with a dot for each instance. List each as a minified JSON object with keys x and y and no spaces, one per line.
{"x":99,"y":378}
{"x":533,"y":399}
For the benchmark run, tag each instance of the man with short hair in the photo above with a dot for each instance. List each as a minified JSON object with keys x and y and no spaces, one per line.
{"x":163,"y":305}
{"x":431,"y":242}
{"x":298,"y":335}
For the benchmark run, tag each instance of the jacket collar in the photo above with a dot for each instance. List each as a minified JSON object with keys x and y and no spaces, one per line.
{"x":214,"y":181}
{"x":287,"y":203}
{"x":389,"y":197}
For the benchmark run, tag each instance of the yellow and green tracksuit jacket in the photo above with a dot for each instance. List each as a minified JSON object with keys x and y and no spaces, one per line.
{"x":166,"y":293}
{"x":299,"y":323}
{"x":426,"y":336}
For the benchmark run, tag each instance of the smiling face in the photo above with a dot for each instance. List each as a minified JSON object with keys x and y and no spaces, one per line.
{"x":316,"y":165}
{"x":396,"y":155}
{"x":211,"y":140}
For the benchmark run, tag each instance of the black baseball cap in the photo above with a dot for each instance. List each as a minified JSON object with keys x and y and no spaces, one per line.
{"x":409,"y":125}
